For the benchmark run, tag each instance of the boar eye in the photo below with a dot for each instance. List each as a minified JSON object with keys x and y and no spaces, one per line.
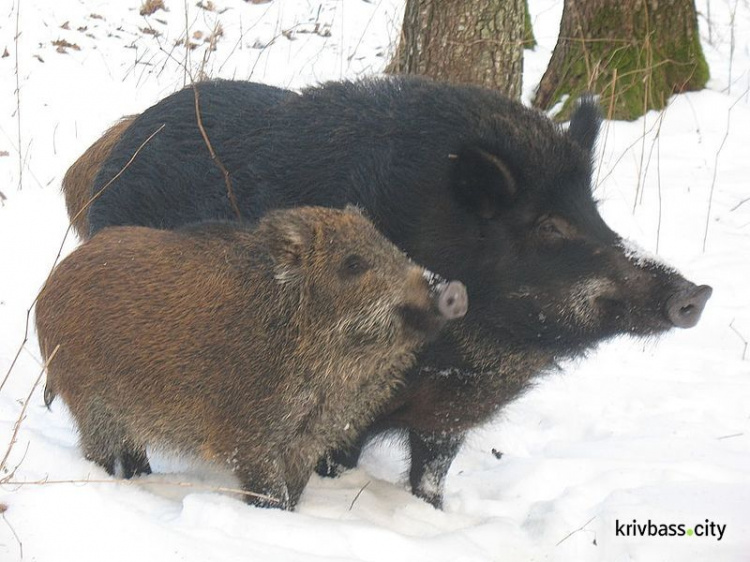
{"x":552,"y":228}
{"x":354,"y":266}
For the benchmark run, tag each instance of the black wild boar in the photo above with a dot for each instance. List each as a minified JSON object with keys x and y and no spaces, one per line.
{"x":254,"y":347}
{"x":469,"y":183}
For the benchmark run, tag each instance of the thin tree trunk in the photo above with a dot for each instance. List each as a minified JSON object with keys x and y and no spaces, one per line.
{"x":635,"y":54}
{"x":464,"y":41}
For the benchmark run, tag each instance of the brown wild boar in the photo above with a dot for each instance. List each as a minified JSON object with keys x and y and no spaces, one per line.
{"x":255,"y":347}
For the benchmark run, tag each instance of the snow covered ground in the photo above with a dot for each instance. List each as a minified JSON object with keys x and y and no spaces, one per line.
{"x":655,"y":431}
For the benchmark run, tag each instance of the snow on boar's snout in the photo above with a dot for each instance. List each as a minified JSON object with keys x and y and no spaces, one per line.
{"x":601,"y":289}
{"x":253,"y":347}
{"x":659,"y":297}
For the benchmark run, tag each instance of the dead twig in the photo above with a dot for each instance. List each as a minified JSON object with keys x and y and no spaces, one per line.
{"x":716,"y":170}
{"x":12,"y":530}
{"x":739,"y":335}
{"x":730,"y":436}
{"x":625,"y":152}
{"x":581,"y":528}
{"x":658,"y":181}
{"x":187,"y":46}
{"x":18,"y":99}
{"x":214,"y":157}
{"x":732,"y":44}
{"x":362,"y":489}
{"x":738,"y":205}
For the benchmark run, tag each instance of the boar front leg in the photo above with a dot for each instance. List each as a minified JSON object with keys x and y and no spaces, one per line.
{"x":431,"y":457}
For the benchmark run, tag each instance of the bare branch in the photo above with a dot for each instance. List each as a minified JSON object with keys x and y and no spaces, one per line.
{"x":214,"y":157}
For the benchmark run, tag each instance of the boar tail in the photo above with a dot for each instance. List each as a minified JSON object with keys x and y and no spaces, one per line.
{"x":49,"y":395}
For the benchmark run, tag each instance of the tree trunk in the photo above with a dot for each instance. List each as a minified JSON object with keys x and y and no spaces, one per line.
{"x":464,"y":41}
{"x":635,"y":54}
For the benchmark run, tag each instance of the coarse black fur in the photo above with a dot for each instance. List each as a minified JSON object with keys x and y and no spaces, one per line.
{"x":178,"y":157}
{"x":475,"y":186}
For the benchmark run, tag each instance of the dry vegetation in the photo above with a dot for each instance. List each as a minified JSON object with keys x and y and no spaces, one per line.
{"x":150,"y":6}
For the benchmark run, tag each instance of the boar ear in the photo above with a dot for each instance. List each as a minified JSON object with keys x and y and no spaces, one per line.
{"x":481,"y":181}
{"x":291,"y":241}
{"x":585,"y":122}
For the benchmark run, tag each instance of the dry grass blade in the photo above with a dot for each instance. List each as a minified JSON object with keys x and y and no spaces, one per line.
{"x":144,"y":482}
{"x":362,"y":489}
{"x":18,"y":100}
{"x":716,"y":170}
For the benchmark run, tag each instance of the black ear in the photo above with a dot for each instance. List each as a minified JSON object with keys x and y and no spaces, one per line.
{"x":585,"y":122}
{"x":481,"y":181}
{"x":292,"y":239}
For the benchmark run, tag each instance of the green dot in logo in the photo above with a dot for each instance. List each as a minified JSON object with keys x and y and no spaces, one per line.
{"x":690,"y":532}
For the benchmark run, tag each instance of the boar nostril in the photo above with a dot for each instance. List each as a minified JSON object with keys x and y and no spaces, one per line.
{"x":684,"y":308}
{"x":453,"y":301}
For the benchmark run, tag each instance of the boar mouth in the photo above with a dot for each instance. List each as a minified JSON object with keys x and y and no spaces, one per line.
{"x":617,"y":316}
{"x":612,"y":311}
{"x":681,"y":310}
{"x":424,"y":324}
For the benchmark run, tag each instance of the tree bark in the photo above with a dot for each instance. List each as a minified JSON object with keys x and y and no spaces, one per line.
{"x":635,"y":54}
{"x":464,"y":41}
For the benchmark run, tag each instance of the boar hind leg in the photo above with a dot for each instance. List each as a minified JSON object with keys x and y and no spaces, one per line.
{"x":134,"y":462}
{"x":431,"y":457}
{"x":100,"y":445}
{"x":105,"y":441}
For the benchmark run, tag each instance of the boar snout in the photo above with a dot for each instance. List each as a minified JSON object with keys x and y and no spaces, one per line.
{"x":685,"y":306}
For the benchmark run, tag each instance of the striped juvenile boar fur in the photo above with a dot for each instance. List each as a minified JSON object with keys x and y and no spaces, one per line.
{"x":255,"y":347}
